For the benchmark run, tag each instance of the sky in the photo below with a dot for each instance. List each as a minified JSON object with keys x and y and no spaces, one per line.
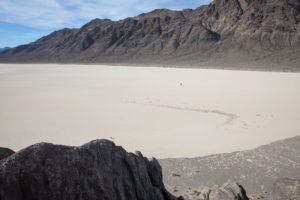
{"x":24,"y":21}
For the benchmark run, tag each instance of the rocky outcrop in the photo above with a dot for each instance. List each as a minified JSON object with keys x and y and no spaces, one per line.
{"x":286,"y":188}
{"x":228,"y":191}
{"x":96,"y":170}
{"x":236,"y":32}
{"x":5,"y":152}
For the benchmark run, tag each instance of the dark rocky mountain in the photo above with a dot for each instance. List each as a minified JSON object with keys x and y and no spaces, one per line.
{"x":97,"y":170}
{"x":258,"y":34}
{"x":286,"y":188}
{"x":255,"y":169}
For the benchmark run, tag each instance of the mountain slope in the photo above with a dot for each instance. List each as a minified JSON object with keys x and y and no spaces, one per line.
{"x":255,"y":169}
{"x":236,"y":32}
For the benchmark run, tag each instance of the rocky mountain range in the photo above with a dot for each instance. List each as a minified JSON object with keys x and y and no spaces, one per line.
{"x":252,"y":34}
{"x":256,"y":170}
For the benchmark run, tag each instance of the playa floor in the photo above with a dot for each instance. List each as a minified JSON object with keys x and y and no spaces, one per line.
{"x":163,"y":112}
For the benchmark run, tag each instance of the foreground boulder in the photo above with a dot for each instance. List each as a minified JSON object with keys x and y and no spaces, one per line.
{"x":5,"y":152}
{"x":97,"y":170}
{"x":286,"y":188}
{"x":228,"y":191}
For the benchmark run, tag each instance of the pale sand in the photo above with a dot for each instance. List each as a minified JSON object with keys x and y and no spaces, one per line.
{"x":147,"y":109}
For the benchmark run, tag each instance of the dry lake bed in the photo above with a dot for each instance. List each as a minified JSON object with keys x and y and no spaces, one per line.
{"x":163,"y":112}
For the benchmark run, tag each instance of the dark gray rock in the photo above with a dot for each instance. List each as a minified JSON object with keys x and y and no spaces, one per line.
{"x":286,"y":188}
{"x":258,"y":34}
{"x":96,"y":170}
{"x":5,"y":152}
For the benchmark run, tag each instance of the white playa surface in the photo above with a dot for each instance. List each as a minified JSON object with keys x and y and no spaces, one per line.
{"x":163,"y":112}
